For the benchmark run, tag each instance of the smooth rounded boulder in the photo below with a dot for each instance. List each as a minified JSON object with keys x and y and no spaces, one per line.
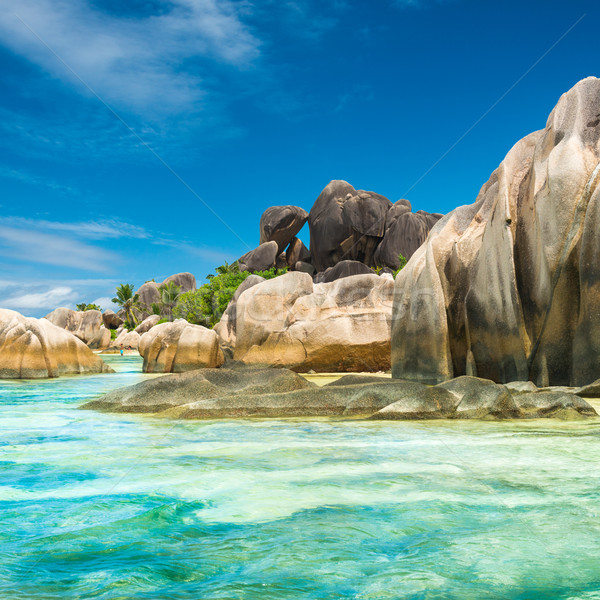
{"x":178,"y":347}
{"x":87,"y":325}
{"x":36,"y":348}
{"x":281,"y":224}
{"x":262,"y":258}
{"x":291,"y":321}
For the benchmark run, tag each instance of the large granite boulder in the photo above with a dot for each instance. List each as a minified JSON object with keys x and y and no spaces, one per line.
{"x":507,"y":288}
{"x":403,"y":237}
{"x":87,"y":325}
{"x":186,"y":281}
{"x":36,"y":348}
{"x":147,"y":324}
{"x":346,"y":224}
{"x":281,"y":224}
{"x":148,"y":295}
{"x":234,"y":391}
{"x":292,"y":322}
{"x":262,"y":258}
{"x":345,"y":268}
{"x":127,"y":340}
{"x":111,"y":320}
{"x":179,"y":346}
{"x":225,"y":328}
{"x":296,"y":252}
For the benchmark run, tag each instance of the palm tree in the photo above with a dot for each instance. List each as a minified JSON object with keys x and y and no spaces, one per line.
{"x":169,"y":293}
{"x":128,"y":301}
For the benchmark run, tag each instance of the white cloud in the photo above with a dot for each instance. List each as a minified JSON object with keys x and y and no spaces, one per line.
{"x":148,"y":64}
{"x":104,"y":302}
{"x":37,"y":247}
{"x":49,"y":299}
{"x":25,"y":177}
{"x":98,"y":230}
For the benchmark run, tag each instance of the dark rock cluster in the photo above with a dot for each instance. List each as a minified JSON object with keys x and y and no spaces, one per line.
{"x":351,"y":232}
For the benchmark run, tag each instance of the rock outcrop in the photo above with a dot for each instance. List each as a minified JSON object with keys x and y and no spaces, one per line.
{"x":258,"y":392}
{"x":281,"y":224}
{"x":87,"y":325}
{"x":129,"y":340}
{"x":260,"y":259}
{"x":293,"y":322}
{"x":111,"y":320}
{"x":508,"y":288}
{"x":178,"y":347}
{"x":147,"y":324}
{"x":36,"y":348}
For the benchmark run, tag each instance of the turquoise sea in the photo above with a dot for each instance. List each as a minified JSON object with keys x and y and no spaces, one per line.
{"x":96,"y":505}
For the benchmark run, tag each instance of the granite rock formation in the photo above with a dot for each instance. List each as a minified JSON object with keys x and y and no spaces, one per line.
{"x":281,"y":224}
{"x":179,"y":346}
{"x":36,"y":348}
{"x":87,"y":325}
{"x":508,"y":288}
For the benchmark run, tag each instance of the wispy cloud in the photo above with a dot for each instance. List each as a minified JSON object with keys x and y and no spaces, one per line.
{"x":34,"y":246}
{"x":149,"y":63}
{"x":49,"y":299}
{"x":35,"y":180}
{"x":97,"y":230}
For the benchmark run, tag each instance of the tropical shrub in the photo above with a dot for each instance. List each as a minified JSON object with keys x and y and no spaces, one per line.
{"x":207,"y":304}
{"x":85,"y":306}
{"x":403,"y":262}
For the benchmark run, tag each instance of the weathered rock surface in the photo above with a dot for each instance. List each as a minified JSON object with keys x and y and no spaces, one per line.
{"x":178,"y":347}
{"x":553,"y":404}
{"x":290,"y":321}
{"x":186,"y":281}
{"x":147,"y":324}
{"x":345,"y":268}
{"x":130,"y":340}
{"x":296,"y":252}
{"x":36,"y":348}
{"x":111,"y":320}
{"x":481,"y":398}
{"x":233,"y":392}
{"x":280,"y":224}
{"x":262,"y":258}
{"x":346,"y":224}
{"x":507,"y":288}
{"x":87,"y":325}
{"x":148,"y":295}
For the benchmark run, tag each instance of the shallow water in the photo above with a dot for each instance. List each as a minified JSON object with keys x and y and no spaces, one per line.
{"x":95,"y":505}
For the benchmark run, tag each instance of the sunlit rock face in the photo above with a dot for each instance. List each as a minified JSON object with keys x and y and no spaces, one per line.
{"x":291,"y":321}
{"x":179,"y":346}
{"x":87,"y":325}
{"x":508,"y":288}
{"x":35,"y":348}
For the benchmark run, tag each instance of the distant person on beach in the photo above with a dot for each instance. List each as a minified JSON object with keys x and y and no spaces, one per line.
{"x":121,"y":349}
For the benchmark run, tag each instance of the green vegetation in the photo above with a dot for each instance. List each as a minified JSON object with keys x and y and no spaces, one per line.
{"x":169,"y":294}
{"x":113,"y":334}
{"x":206,"y":305}
{"x":84,"y":306}
{"x":403,"y":262}
{"x":129,"y":302}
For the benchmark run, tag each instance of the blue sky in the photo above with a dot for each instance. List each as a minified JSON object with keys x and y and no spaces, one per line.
{"x":143,"y":138}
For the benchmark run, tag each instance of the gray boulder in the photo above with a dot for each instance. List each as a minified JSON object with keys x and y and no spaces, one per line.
{"x":346,"y":224}
{"x":186,"y":281}
{"x":87,"y":325}
{"x":296,"y":252}
{"x":481,"y":398}
{"x":345,"y":268}
{"x":280,"y":224}
{"x":260,"y":259}
{"x":111,"y":320}
{"x":553,"y":404}
{"x":147,"y":324}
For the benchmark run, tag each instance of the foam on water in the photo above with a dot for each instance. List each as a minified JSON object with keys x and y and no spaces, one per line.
{"x":96,"y":505}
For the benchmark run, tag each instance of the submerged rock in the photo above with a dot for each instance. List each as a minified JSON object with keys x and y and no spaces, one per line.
{"x":236,"y":391}
{"x":36,"y":348}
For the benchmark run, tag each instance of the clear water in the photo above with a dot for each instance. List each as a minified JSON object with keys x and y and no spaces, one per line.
{"x":105,"y":506}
